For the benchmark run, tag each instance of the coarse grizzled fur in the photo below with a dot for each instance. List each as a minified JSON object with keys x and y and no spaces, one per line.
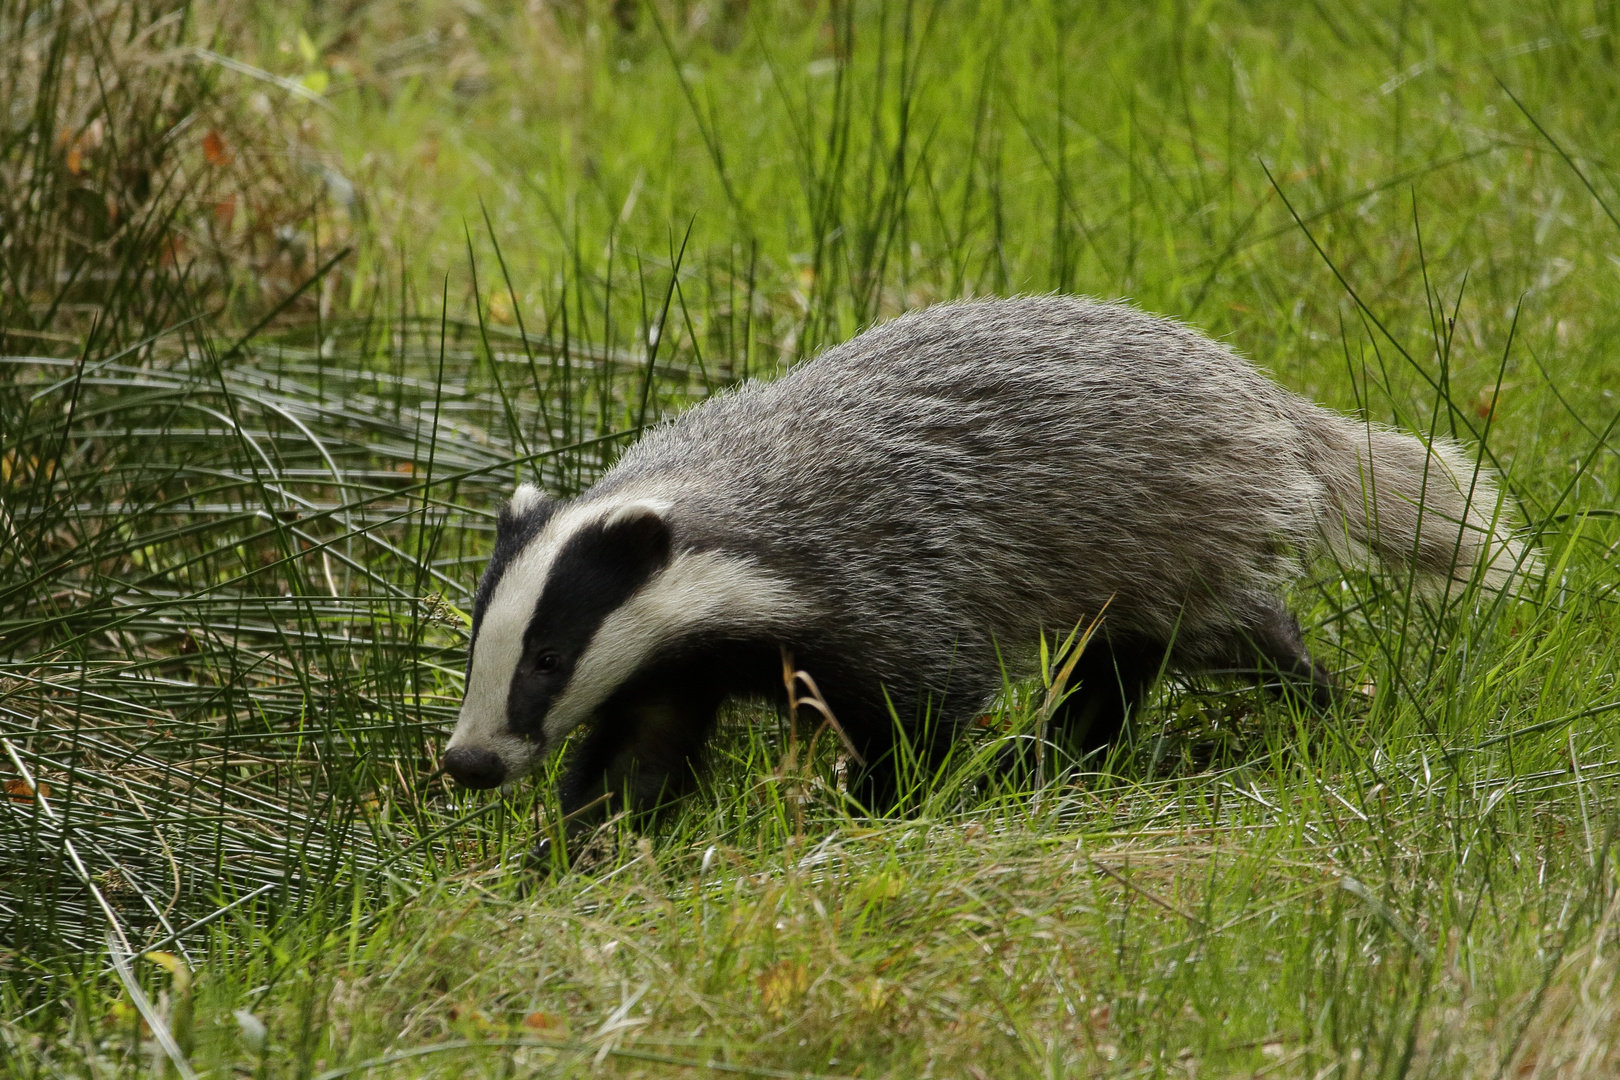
{"x":908,"y":512}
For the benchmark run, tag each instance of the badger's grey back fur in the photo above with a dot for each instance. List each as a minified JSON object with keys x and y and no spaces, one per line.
{"x":919,"y":504}
{"x":973,"y":474}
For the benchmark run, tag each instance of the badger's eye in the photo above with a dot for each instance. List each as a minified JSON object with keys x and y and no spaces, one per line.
{"x":546,"y":661}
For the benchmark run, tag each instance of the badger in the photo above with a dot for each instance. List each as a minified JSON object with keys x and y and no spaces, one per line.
{"x":908,"y":514}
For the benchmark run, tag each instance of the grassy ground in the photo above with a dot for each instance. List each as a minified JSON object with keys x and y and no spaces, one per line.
{"x":291,"y":295}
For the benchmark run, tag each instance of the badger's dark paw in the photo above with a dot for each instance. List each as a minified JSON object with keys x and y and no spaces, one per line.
{"x":583,"y":849}
{"x":1314,"y":689}
{"x":548,"y":858}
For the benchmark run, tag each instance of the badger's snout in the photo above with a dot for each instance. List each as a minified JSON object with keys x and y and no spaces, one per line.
{"x":474,"y":768}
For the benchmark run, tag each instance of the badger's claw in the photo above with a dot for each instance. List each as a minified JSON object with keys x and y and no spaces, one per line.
{"x":548,"y":858}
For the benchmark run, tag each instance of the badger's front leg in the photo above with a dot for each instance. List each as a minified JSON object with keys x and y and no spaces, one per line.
{"x":643,"y":752}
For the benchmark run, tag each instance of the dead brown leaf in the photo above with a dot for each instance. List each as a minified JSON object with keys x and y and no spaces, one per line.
{"x":22,"y":791}
{"x":215,"y":150}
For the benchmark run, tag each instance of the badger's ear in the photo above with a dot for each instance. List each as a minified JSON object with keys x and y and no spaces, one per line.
{"x":526,"y":500}
{"x":638,"y":534}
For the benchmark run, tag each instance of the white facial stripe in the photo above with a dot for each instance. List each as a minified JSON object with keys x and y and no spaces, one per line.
{"x":697,"y":589}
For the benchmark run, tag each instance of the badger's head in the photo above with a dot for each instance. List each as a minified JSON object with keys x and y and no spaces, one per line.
{"x":555,"y":577}
{"x":576,"y":600}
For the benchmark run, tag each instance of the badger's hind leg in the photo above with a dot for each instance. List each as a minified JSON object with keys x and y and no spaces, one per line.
{"x":1271,"y":644}
{"x":1105,"y":689}
{"x":1108,"y":683}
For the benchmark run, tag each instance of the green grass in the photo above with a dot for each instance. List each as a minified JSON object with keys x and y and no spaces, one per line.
{"x":278,"y":334}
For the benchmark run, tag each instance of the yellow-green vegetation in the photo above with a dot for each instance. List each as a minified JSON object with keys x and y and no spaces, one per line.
{"x":292,"y":294}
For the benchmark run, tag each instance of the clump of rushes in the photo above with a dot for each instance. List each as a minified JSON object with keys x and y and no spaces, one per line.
{"x":143,"y":174}
{"x":287,"y":307}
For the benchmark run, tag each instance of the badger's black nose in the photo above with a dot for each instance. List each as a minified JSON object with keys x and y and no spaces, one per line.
{"x":474,"y":768}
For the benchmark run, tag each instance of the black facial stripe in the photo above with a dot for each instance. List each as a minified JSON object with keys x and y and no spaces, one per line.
{"x":587,"y":581}
{"x":592,"y":576}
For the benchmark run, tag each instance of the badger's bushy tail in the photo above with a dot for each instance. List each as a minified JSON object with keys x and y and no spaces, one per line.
{"x":1427,"y":508}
